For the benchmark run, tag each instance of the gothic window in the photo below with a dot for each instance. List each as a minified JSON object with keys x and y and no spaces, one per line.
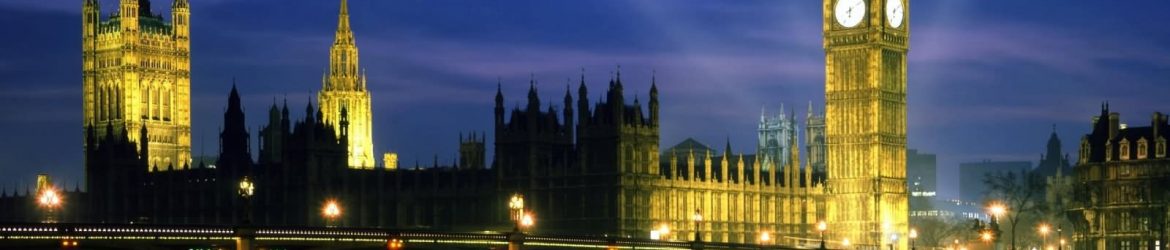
{"x":1142,"y":149}
{"x":1161,"y":148}
{"x":1124,"y":150}
{"x":1084,"y":155}
{"x":1108,"y":151}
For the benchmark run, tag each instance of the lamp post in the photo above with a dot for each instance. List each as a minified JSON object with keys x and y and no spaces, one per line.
{"x":1044,"y":235}
{"x":331,"y":212}
{"x":663,"y":230}
{"x":996,"y":210}
{"x":245,"y":236}
{"x":247,"y":189}
{"x":893,"y":240}
{"x":516,"y":208}
{"x":1060,"y":235}
{"x":913,"y":236}
{"x":49,"y":200}
{"x":821,"y":227}
{"x":698,"y":218}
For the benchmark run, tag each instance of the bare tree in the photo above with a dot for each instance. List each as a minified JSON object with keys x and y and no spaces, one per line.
{"x":1022,"y":193}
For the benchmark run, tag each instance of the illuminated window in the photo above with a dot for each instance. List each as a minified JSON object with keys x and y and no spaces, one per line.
{"x":1108,"y":151}
{"x":1142,"y":149}
{"x":1161,"y":148}
{"x":1124,"y":150}
{"x":1084,"y":151}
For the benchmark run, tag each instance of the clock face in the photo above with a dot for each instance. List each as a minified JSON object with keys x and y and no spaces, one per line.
{"x":849,"y":12}
{"x":895,"y":12}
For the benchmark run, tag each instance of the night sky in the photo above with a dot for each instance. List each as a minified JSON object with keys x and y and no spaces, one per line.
{"x":988,"y":79}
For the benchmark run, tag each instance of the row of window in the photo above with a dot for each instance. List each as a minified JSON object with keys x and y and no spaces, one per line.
{"x":1124,"y":150}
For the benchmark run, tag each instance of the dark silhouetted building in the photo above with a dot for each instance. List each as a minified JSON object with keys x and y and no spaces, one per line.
{"x":1119,"y":193}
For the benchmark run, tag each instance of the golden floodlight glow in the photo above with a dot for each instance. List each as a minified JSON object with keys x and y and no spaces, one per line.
{"x":664,"y":229}
{"x":331,"y":210}
{"x":765,"y":237}
{"x":822,"y":226}
{"x":526,"y":220}
{"x":49,"y":198}
{"x":997,"y":210}
{"x":845,"y":242}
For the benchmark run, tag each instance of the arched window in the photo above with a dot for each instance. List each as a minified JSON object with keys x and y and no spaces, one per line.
{"x":1161,"y":148}
{"x":1142,"y":148}
{"x":1124,"y":151}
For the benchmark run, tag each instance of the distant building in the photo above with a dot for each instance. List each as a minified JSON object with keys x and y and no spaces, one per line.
{"x":775,"y":132}
{"x":921,"y":175}
{"x":1119,"y":195}
{"x":971,"y":176}
{"x":1052,"y":161}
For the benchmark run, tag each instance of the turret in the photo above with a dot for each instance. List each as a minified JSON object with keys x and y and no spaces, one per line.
{"x":128,"y":13}
{"x":533,"y":99}
{"x":499,"y":106}
{"x":582,"y":101}
{"x":568,"y":110}
{"x":180,"y":20}
{"x":143,"y":144}
{"x":654,"y":100}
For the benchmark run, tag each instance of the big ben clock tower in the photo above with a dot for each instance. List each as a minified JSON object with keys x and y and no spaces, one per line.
{"x":865,"y":100}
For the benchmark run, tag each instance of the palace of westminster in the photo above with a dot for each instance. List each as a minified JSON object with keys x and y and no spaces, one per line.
{"x":589,"y":167}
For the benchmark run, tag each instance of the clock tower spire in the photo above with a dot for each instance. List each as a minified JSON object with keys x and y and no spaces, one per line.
{"x":866,"y":42}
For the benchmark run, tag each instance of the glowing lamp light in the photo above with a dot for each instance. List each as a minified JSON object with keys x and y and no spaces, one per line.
{"x":49,"y":198}
{"x":247,"y":188}
{"x":697,"y":217}
{"x":822,"y":226}
{"x":526,"y":220}
{"x":765,"y":237}
{"x":845,"y":242}
{"x":913,"y":233}
{"x":331,"y":210}
{"x":1044,"y":229}
{"x":997,"y":209}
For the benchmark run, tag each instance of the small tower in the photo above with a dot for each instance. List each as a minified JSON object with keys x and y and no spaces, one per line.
{"x":654,"y":100}
{"x":180,"y":20}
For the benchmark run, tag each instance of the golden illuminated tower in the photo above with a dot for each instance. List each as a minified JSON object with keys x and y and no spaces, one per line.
{"x":136,"y":71}
{"x":866,"y":42}
{"x":344,"y":87}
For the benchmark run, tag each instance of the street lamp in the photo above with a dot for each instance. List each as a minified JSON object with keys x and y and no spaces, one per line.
{"x":247,"y":189}
{"x":765,"y":237}
{"x":527,"y":221}
{"x":516,"y":208}
{"x":913,"y":235}
{"x":1044,"y":234}
{"x":893,"y":240}
{"x":698,"y":218}
{"x":821,"y":227}
{"x":49,"y":200}
{"x":845,"y":243}
{"x":985,"y":236}
{"x":331,"y":212}
{"x":663,"y":230}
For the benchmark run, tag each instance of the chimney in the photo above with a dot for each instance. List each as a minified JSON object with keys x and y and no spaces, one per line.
{"x":1114,"y":124}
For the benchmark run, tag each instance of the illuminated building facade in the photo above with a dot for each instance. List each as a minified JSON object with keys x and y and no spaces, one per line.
{"x":1119,"y":191}
{"x":136,"y":72}
{"x":774,"y":133}
{"x":344,"y":87}
{"x":865,"y":43}
{"x":603,"y":173}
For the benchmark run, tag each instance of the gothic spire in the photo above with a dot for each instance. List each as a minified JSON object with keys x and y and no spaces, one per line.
{"x":344,"y":34}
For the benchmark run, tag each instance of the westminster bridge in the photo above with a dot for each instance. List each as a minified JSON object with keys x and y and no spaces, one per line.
{"x":139,"y":236}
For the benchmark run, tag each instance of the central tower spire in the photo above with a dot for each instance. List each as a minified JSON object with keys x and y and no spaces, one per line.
{"x":344,"y":100}
{"x":344,"y":34}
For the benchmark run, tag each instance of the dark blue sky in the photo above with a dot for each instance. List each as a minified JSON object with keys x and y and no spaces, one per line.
{"x":987,"y":78}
